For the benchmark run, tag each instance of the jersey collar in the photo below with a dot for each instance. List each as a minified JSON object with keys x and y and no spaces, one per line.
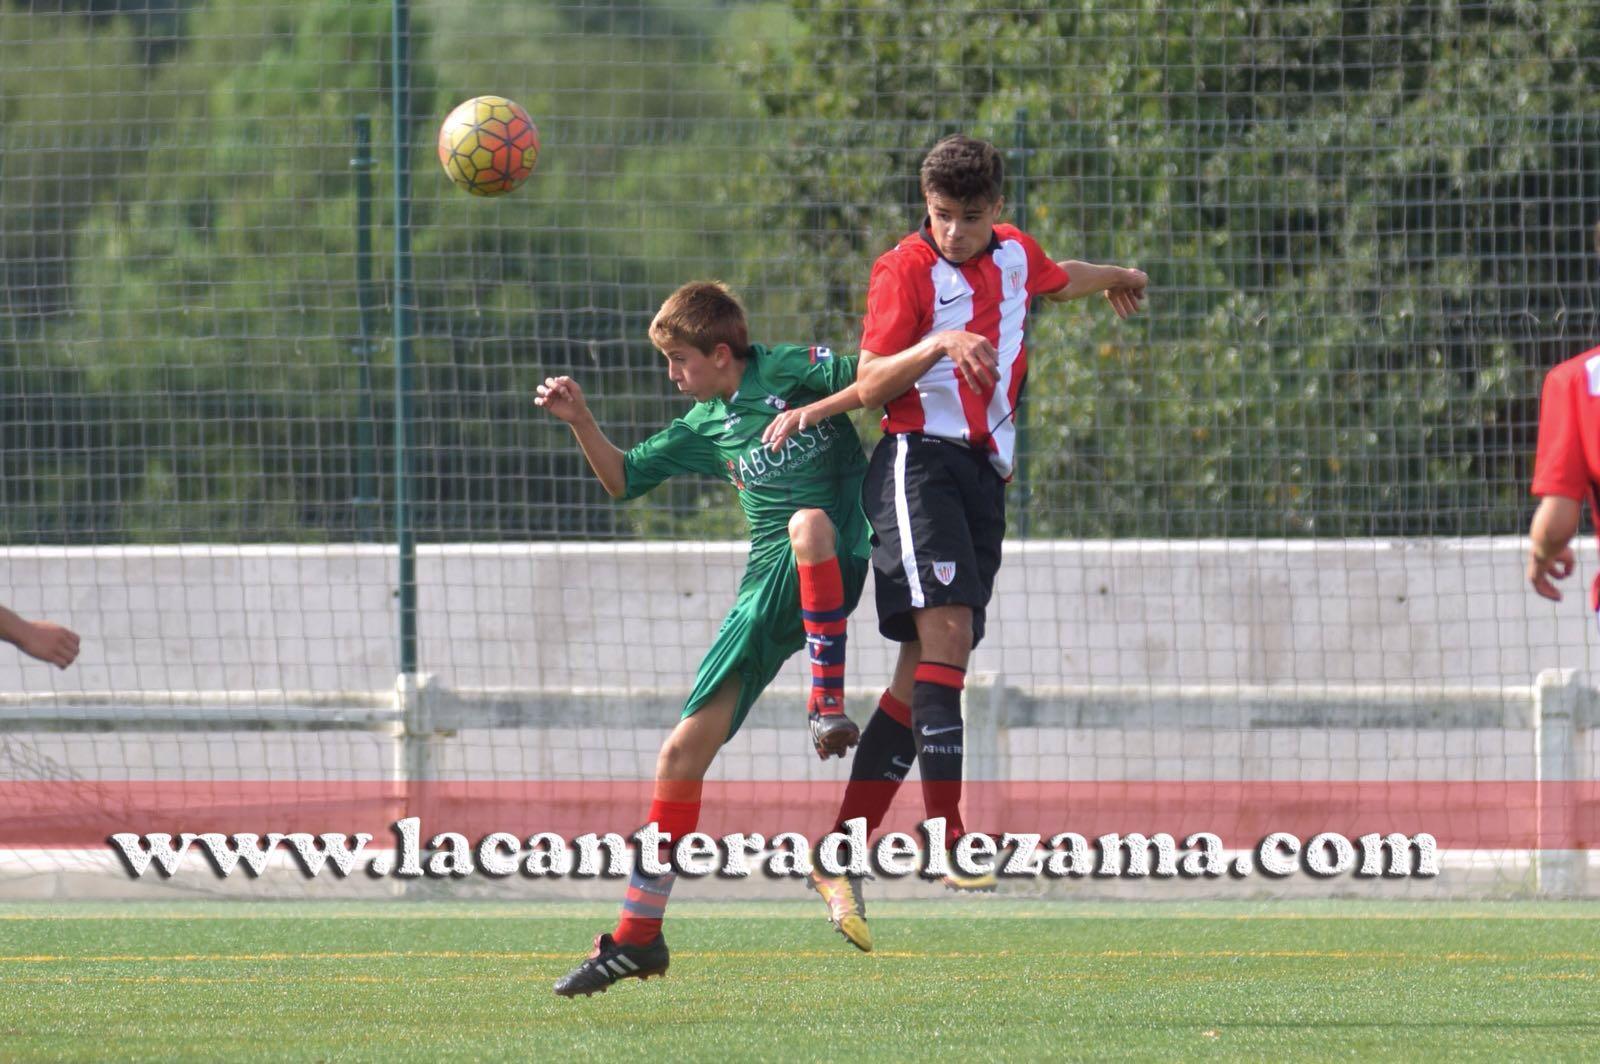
{"x":744,"y":378}
{"x":925,"y":231}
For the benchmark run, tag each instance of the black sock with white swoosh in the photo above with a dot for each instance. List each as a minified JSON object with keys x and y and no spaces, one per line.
{"x":883,"y":757}
{"x":940,"y":737}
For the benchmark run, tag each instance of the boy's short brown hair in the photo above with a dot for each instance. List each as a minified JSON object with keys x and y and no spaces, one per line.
{"x":964,"y":169}
{"x":702,"y":314}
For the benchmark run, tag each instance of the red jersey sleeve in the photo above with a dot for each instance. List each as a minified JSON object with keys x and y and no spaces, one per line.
{"x":897,"y":311}
{"x":1559,"y":465}
{"x":1044,"y":275}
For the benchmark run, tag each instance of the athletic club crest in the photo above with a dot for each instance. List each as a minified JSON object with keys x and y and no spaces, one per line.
{"x":944,"y":572}
{"x":1014,"y":278}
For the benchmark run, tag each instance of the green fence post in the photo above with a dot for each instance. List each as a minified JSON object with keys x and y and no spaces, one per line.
{"x":366,"y":494}
{"x":1019,"y":208}
{"x":404,"y":325}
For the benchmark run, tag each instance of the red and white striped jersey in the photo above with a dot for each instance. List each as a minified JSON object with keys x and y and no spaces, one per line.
{"x":915,"y":291}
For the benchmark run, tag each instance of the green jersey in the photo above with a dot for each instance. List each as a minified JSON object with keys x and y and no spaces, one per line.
{"x":821,"y":466}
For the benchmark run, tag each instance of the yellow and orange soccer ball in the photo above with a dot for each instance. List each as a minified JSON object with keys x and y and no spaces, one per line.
{"x":488,"y":145}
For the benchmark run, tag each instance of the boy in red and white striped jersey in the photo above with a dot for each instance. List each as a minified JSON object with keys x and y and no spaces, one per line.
{"x":943,"y":348}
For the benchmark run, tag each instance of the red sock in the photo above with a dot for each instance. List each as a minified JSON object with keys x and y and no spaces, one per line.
{"x":823,"y":613}
{"x":675,"y":809}
{"x":896,"y":710}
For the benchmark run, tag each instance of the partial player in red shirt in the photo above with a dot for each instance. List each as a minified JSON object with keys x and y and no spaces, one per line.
{"x":1566,"y":470}
{"x":943,"y":349}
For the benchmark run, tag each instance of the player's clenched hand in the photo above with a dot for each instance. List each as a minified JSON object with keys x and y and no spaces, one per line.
{"x":562,"y":397}
{"x":976,"y":360}
{"x":832,"y":733}
{"x":50,"y":642}
{"x":1541,"y":569}
{"x":1129,"y":291}
{"x":785,"y":425}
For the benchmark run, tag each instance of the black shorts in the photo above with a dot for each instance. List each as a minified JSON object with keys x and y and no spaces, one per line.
{"x":938,"y":513}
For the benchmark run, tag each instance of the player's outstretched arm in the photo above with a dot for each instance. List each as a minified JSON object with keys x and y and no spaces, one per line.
{"x":1124,"y":288}
{"x":882,"y":377}
{"x":975,"y":359}
{"x":49,"y":642}
{"x":791,"y":421}
{"x":1555,"y":522}
{"x":562,"y":397}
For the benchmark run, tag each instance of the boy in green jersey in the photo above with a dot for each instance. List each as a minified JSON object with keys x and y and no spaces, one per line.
{"x":809,"y":550}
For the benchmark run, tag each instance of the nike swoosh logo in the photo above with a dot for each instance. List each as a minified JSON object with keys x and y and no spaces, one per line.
{"x":940,"y":731}
{"x":943,"y":302}
{"x":904,"y":766}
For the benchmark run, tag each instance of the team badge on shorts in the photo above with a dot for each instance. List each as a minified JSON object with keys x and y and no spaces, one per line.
{"x":944,"y":572}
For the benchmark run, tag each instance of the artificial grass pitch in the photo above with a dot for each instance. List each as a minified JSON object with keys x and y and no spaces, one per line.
{"x":981,"y":977}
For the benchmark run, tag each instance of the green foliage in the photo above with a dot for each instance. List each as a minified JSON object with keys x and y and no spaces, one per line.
{"x":1363,"y":223}
{"x":211,"y":305}
{"x":201,"y":378}
{"x":1368,"y":226}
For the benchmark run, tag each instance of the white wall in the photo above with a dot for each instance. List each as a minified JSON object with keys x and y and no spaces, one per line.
{"x":555,"y":616}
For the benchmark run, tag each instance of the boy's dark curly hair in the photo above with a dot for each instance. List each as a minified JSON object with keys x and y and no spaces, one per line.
{"x":963,"y":168}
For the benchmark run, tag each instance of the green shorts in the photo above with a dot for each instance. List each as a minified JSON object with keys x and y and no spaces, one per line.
{"x":762,"y":630}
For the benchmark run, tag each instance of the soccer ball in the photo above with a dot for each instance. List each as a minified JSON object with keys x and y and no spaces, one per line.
{"x":488,"y":145}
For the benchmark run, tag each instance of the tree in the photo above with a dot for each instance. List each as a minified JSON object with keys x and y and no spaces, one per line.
{"x":1362,"y":253}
